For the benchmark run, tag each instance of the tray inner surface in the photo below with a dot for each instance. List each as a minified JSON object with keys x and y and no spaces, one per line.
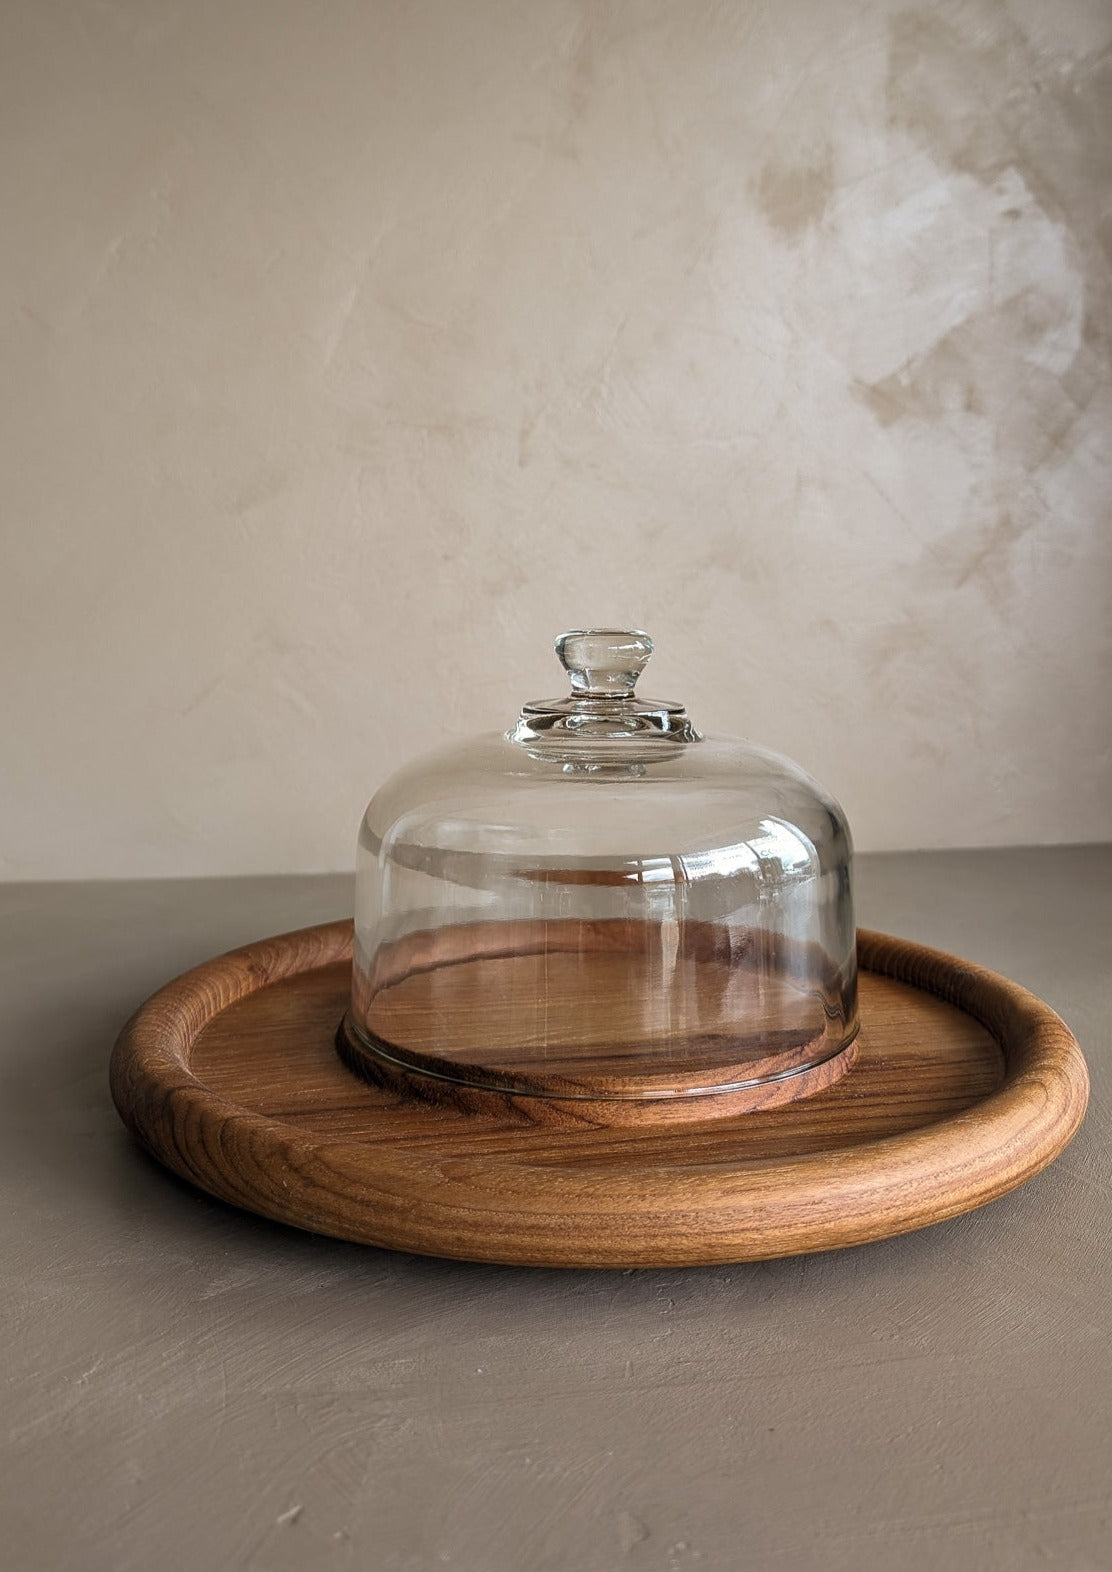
{"x":919,"y":1060}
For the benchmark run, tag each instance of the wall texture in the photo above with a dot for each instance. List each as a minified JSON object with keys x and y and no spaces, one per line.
{"x":352,"y":349}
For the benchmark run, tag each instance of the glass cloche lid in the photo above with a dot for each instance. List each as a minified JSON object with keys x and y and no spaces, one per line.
{"x":602,"y":906}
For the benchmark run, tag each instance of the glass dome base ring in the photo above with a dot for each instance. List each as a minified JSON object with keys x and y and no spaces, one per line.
{"x":555,"y":1101}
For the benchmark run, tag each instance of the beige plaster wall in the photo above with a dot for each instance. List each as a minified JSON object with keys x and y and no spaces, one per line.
{"x":352,"y":350}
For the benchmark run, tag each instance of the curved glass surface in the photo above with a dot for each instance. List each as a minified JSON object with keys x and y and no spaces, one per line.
{"x":603,"y":903}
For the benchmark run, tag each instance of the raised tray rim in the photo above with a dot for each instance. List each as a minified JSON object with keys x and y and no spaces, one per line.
{"x":468,"y":1209}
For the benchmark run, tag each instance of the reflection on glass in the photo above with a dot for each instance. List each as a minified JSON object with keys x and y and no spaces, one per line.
{"x":601,"y":902}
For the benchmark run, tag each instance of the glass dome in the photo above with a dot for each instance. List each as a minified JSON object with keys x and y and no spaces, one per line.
{"x":601,"y":904}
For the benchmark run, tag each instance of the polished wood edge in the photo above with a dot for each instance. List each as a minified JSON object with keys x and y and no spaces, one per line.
{"x":1032,"y":1035}
{"x":669,"y":1216}
{"x":590,"y":1110}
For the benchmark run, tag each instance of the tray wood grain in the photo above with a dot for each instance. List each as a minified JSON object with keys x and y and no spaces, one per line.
{"x":606,"y":1021}
{"x":964,"y":1086}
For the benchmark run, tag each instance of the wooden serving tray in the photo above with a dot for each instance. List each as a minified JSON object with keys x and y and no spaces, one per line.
{"x":964,"y":1086}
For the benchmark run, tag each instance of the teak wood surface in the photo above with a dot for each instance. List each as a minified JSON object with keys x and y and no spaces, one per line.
{"x":600,"y":1021}
{"x":964,"y":1086}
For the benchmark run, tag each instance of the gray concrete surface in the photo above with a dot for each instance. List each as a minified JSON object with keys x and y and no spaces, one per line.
{"x":187,"y":1387}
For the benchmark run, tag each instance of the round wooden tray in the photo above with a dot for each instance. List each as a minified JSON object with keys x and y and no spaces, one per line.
{"x":964,"y":1086}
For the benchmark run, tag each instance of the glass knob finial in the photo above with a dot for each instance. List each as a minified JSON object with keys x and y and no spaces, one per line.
{"x":604,"y":663}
